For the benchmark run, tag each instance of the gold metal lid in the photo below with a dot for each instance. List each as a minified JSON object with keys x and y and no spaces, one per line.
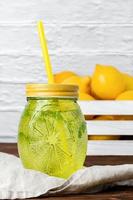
{"x":51,"y":90}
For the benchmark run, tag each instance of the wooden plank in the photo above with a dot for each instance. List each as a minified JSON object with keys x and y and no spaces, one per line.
{"x":109,"y":127}
{"x":115,"y":147}
{"x":106,"y":107}
{"x":112,"y":193}
{"x":10,"y":148}
{"x":90,"y":160}
{"x":8,"y":139}
{"x":110,"y":147}
{"x":117,"y":193}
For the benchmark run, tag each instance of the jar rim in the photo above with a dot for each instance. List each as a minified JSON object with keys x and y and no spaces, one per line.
{"x":51,"y":90}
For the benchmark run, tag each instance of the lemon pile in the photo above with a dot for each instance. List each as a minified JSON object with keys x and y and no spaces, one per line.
{"x":106,"y":83}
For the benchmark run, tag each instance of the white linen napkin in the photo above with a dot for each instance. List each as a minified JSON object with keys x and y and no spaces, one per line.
{"x":17,"y":182}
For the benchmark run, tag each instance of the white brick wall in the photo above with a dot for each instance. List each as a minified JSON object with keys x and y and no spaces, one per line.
{"x":80,"y":34}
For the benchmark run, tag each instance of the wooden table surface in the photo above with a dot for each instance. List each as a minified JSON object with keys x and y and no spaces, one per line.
{"x":119,"y":193}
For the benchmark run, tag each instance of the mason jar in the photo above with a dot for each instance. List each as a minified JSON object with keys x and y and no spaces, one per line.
{"x":52,"y":134}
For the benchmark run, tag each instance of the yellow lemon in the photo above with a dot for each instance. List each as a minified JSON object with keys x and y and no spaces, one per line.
{"x":85,"y":84}
{"x":104,"y":137}
{"x":84,"y":96}
{"x":123,"y":117}
{"x":129,"y":81}
{"x":82,"y":81}
{"x":127,"y":95}
{"x":107,"y":82}
{"x":61,"y":76}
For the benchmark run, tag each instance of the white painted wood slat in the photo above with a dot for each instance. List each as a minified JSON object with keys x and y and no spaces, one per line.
{"x":8,"y":139}
{"x":110,"y":148}
{"x":101,"y":148}
{"x":112,"y":127}
{"x":103,"y":107}
{"x":109,"y":127}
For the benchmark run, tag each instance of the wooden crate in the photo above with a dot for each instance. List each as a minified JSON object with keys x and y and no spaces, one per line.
{"x":115,"y":147}
{"x":112,"y":127}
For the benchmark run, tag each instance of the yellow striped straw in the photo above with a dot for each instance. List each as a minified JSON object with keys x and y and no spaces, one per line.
{"x":45,"y":54}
